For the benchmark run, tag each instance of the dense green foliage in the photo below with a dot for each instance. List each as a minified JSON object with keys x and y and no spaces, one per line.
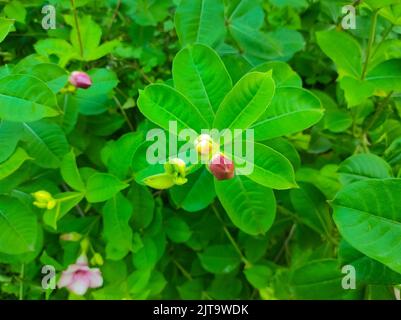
{"x":324,"y":104}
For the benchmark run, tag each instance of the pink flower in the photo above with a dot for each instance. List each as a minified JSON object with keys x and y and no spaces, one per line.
{"x":79,"y":277}
{"x":221,"y":167}
{"x":80,"y":79}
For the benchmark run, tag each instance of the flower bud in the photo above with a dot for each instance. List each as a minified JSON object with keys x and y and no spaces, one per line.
{"x":204,"y":145}
{"x":44,"y":200}
{"x":80,"y":79}
{"x":97,"y":259}
{"x":72,"y":236}
{"x":221,"y":167}
{"x":176,"y":167}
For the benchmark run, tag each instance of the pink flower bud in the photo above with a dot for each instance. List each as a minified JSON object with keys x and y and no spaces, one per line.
{"x":80,"y":79}
{"x":221,"y":167}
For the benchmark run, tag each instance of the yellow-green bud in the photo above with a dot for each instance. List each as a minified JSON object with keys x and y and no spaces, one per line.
{"x":175,"y":166}
{"x":44,"y":200}
{"x":97,"y":259}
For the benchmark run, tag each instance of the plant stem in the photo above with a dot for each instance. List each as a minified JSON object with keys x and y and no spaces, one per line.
{"x":385,"y":35}
{"x":131,"y":126}
{"x":286,"y":242}
{"x":182,"y":269}
{"x":81,"y":48}
{"x":230,"y":237}
{"x":372,"y":37}
{"x":113,"y":18}
{"x":380,"y":109}
{"x":21,"y":285}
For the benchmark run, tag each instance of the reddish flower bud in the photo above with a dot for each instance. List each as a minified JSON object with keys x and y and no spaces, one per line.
{"x":221,"y":167}
{"x":80,"y":80}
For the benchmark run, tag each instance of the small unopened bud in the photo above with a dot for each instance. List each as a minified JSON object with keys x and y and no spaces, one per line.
{"x":221,"y":167}
{"x":204,"y":145}
{"x":177,"y":169}
{"x":175,"y":166}
{"x":80,"y":79}
{"x":44,"y":200}
{"x":97,"y":259}
{"x":72,"y":236}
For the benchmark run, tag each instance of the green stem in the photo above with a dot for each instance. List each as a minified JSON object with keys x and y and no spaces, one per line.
{"x":385,"y":35}
{"x":380,"y":109}
{"x":372,"y":37}
{"x":81,"y":48}
{"x":230,"y":237}
{"x":21,"y":285}
{"x":286,"y":242}
{"x":182,"y":269}
{"x":131,"y":126}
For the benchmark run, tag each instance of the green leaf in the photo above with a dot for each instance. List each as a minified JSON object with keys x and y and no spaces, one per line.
{"x":58,"y":47}
{"x":102,"y":186}
{"x":220,"y":259}
{"x":121,"y":152}
{"x":45,"y":142}
{"x":246,"y":102}
{"x":137,"y":281}
{"x":326,"y":179}
{"x":287,"y":149}
{"x":320,"y":280}
{"x":335,"y":119}
{"x":311,"y":207}
{"x":25,"y":98}
{"x":53,"y":75}
{"x":270,"y":168}
{"x":200,"y":75}
{"x":118,"y":235}
{"x":178,"y":230}
{"x":197,"y":194}
{"x":13,"y":163}
{"x":10,"y":134}
{"x":244,"y":19}
{"x":344,"y":50}
{"x":6,"y":26}
{"x":367,"y":214}
{"x":258,"y":276}
{"x":292,"y":110}
{"x":250,"y":206}
{"x":364,"y":166}
{"x":65,"y":202}
{"x":225,"y":286}
{"x":18,"y":227}
{"x":377,"y":4}
{"x":90,"y":38}
{"x":147,"y":256}
{"x":200,"y":21}
{"x":162,"y":104}
{"x":356,"y":91}
{"x":149,"y":12}
{"x":386,"y":76}
{"x":368,"y":271}
{"x":70,"y":172}
{"x":283,"y":75}
{"x":15,"y":10}
{"x":143,"y":206}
